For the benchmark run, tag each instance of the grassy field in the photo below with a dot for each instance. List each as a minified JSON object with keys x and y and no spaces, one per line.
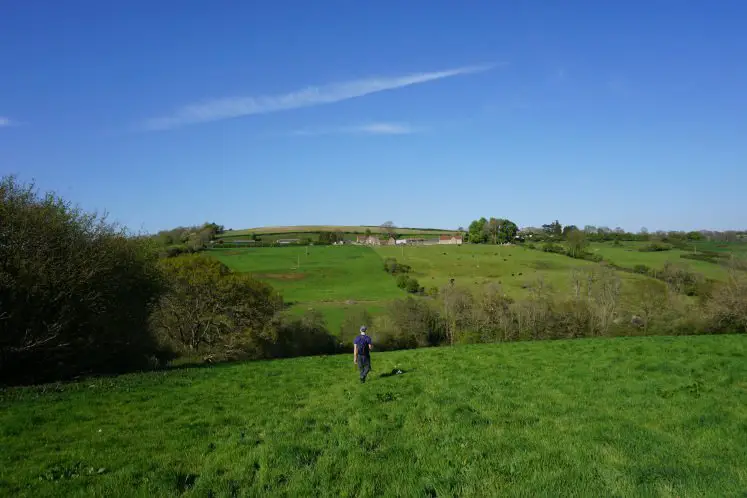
{"x":513,"y":267}
{"x":331,"y":279}
{"x":600,"y":417}
{"x":338,"y":280}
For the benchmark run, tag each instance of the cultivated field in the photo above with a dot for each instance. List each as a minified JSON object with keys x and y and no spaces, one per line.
{"x":600,"y":417}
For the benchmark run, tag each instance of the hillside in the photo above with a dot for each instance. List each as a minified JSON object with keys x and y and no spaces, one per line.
{"x":340,"y":281}
{"x":598,"y":417}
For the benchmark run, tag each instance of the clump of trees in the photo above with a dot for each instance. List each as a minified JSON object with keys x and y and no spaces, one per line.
{"x":492,"y":231}
{"x":186,"y":240}
{"x":208,"y":310}
{"x":331,"y":237}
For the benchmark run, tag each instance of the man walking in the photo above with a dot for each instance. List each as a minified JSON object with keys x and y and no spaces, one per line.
{"x":362,"y":347}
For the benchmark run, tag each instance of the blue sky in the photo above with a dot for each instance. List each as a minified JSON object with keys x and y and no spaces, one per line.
{"x":426,"y":113}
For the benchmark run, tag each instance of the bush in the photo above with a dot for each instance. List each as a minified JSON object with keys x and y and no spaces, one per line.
{"x":554,"y":248}
{"x":75,"y":291}
{"x":655,"y":247}
{"x":402,"y":281}
{"x":392,"y":267}
{"x":642,"y":269}
{"x":413,"y":286}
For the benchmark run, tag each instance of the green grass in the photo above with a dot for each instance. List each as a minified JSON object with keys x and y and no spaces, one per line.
{"x":513,"y":267}
{"x":331,"y":279}
{"x":599,"y":417}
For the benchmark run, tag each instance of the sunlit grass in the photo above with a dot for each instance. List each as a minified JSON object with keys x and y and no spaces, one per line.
{"x":599,"y":417}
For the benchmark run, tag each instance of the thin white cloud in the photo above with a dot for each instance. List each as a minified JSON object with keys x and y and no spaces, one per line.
{"x":5,"y":121}
{"x":219,"y":109}
{"x":363,"y":129}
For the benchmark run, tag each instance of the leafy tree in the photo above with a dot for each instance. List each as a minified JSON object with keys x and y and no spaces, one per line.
{"x":694,"y":236}
{"x":492,"y":228}
{"x":508,"y":231}
{"x":577,"y":243}
{"x":207,"y":307}
{"x":75,"y":290}
{"x":477,"y":234}
{"x":568,"y":229}
{"x":554,"y":229}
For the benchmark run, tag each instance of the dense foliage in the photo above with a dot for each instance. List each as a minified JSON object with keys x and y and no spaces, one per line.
{"x":75,"y":291}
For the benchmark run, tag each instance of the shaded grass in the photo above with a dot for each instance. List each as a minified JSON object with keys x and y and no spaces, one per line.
{"x":599,"y":417}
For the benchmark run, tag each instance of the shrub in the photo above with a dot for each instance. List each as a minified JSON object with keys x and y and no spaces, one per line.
{"x":75,"y":291}
{"x":642,"y":269}
{"x":530,"y":245}
{"x":413,"y":286}
{"x":552,"y":247}
{"x":402,"y":281}
{"x":392,"y":267}
{"x":655,"y":247}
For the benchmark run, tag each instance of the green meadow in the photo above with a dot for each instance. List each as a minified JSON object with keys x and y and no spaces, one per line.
{"x":334,"y":280}
{"x":656,"y":416}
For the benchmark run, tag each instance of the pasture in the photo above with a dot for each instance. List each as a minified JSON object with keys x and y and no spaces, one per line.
{"x":657,"y":416}
{"x":331,"y":279}
{"x":628,"y":255}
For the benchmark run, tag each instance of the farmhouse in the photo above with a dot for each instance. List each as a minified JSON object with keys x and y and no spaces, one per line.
{"x":450,"y":239}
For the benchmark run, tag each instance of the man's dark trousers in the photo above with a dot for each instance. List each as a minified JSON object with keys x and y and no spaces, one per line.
{"x":364,"y":365}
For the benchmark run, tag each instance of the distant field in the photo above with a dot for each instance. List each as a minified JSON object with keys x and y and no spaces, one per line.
{"x":513,"y":267}
{"x":353,"y":229}
{"x":327,"y":279}
{"x":656,"y":416}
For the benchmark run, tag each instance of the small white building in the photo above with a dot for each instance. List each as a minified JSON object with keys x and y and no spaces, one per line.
{"x":450,"y":239}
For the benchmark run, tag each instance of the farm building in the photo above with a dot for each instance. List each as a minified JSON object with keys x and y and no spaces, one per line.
{"x":288,"y":241}
{"x":371,"y":240}
{"x":450,"y":239}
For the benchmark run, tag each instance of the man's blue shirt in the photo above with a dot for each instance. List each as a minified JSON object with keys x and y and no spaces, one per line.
{"x":363,"y":341}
